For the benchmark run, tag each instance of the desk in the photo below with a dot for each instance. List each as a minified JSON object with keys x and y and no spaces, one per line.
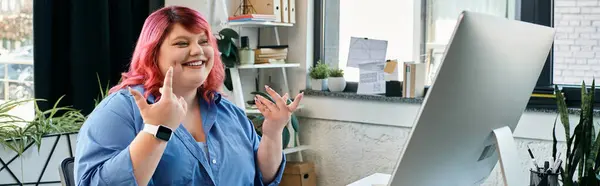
{"x":377,"y":179}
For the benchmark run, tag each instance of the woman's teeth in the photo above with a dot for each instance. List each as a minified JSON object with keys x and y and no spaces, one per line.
{"x":199,"y":63}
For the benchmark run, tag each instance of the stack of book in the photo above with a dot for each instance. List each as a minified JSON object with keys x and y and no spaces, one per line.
{"x":252,"y":18}
{"x":542,"y":98}
{"x":270,"y":54}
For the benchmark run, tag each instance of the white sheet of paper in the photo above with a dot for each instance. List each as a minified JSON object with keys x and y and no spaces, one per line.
{"x":372,"y":78}
{"x":363,"y":50}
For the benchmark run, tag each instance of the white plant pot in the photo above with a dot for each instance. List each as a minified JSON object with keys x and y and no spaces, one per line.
{"x":29,"y":166}
{"x":336,"y":84}
{"x":246,"y":56}
{"x":318,"y":84}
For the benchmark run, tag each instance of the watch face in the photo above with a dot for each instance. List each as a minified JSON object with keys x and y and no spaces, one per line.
{"x":163,"y":133}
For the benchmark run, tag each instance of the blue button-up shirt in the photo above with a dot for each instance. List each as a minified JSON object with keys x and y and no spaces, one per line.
{"x":102,"y":156}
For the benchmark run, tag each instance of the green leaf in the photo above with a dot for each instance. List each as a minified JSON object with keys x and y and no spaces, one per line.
{"x":285,"y":137}
{"x":295,"y":122}
{"x":576,"y":151}
{"x":564,"y":114}
{"x":228,"y":82}
{"x":229,"y":61}
{"x":265,"y":95}
{"x":229,"y":33}
{"x":554,"y":141}
{"x":224,"y":47}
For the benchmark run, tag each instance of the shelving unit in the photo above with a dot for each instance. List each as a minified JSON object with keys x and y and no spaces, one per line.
{"x":238,"y":92}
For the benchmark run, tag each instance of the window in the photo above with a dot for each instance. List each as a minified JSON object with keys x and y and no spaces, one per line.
{"x":393,"y":21}
{"x":440,"y":20}
{"x":574,"y":58}
{"x":16,"y":54}
{"x":389,"y":20}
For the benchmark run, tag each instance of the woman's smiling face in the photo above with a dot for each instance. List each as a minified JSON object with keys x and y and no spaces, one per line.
{"x":190,"y":54}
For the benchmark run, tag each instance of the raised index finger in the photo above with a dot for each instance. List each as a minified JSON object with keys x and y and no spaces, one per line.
{"x":168,"y":82}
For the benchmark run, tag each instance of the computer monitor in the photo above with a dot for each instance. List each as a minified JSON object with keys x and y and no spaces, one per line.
{"x":486,"y":77}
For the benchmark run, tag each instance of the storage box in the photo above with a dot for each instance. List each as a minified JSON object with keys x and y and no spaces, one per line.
{"x":269,"y":7}
{"x":299,"y":174}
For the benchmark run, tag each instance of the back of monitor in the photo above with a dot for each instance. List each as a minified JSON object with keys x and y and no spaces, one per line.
{"x":485,"y":80}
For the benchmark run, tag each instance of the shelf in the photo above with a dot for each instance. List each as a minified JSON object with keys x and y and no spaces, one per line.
{"x":271,"y":65}
{"x":259,"y":24}
{"x":252,"y":110}
{"x":290,"y":150}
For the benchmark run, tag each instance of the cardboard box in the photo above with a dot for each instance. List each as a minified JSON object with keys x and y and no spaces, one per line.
{"x":269,"y":7}
{"x":299,"y":174}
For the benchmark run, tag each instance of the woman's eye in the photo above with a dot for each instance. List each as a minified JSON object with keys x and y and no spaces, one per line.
{"x":181,"y":44}
{"x":203,"y":42}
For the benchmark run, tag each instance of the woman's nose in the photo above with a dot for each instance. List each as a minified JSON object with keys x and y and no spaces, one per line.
{"x":196,"y":50}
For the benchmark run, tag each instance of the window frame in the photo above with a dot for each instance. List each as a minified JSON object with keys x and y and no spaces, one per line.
{"x":533,"y":11}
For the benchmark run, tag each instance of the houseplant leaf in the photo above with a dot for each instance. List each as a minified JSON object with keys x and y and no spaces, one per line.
{"x":564,"y":115}
{"x":228,"y":83}
{"x":265,"y":95}
{"x":229,"y":61}
{"x":230,"y":33}
{"x":590,"y":134}
{"x":295,"y":122}
{"x":224,"y":47}
{"x":285,"y":137}
{"x":554,"y":141}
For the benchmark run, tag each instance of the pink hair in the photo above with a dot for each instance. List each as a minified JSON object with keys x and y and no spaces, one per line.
{"x":144,"y":68}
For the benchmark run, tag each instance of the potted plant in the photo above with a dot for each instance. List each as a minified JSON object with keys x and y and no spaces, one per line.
{"x":582,"y":145}
{"x":25,"y":137}
{"x":318,"y":75}
{"x":336,"y":81}
{"x":229,"y":52}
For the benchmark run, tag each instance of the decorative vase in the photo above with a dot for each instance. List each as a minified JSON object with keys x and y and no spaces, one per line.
{"x":318,"y":84}
{"x":336,"y":84}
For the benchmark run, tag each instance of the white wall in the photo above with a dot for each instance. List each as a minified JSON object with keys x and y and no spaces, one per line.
{"x":577,"y":44}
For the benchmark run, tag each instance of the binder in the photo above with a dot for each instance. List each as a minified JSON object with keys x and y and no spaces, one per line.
{"x":292,"y":11}
{"x":414,"y":80}
{"x":285,"y":12}
{"x":270,"y":7}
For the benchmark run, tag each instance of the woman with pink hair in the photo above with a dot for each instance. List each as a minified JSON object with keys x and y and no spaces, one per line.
{"x":166,"y":124}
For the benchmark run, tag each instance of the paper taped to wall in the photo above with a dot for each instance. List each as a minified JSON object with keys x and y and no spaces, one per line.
{"x":364,"y":50}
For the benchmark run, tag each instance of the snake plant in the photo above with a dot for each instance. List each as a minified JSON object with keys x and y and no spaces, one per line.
{"x":583,"y":145}
{"x":286,"y":133}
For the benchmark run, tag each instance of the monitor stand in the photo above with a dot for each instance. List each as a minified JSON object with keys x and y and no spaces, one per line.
{"x":508,"y":156}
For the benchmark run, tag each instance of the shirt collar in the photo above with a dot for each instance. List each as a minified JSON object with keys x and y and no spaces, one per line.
{"x":216,"y":98}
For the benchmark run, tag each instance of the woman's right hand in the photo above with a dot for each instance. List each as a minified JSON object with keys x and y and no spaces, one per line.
{"x":168,"y":111}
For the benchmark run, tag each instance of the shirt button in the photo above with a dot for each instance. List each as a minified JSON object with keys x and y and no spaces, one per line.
{"x":214,"y":161}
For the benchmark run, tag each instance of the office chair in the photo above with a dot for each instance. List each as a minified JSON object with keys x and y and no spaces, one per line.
{"x":66,"y":172}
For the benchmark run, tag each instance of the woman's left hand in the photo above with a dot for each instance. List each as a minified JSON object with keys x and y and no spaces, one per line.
{"x":276,"y":114}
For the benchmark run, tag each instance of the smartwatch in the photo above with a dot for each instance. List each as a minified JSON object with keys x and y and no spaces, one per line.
{"x":159,"y":131}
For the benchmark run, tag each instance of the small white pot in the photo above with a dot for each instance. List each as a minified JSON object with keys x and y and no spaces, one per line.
{"x":246,"y":56}
{"x":318,"y":84}
{"x":336,"y":84}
